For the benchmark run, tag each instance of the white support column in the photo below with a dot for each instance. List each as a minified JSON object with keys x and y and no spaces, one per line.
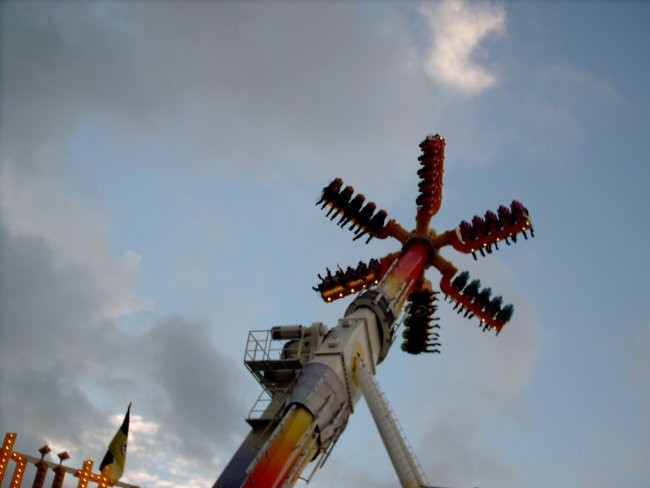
{"x":408,"y":470}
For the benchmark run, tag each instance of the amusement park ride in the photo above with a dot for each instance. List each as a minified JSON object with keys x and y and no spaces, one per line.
{"x":312,"y":377}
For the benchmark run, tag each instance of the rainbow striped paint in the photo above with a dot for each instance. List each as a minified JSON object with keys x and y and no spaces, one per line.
{"x":290,"y":449}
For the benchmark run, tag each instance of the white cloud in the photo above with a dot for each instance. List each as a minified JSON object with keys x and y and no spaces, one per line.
{"x":138,"y":424}
{"x":457,"y":29}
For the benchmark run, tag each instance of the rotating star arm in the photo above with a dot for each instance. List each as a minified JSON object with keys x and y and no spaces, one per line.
{"x":342,"y":282}
{"x":479,"y":236}
{"x":430,"y":186}
{"x":484,"y":232}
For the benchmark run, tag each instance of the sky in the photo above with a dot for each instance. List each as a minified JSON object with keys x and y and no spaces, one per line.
{"x":159,"y":165}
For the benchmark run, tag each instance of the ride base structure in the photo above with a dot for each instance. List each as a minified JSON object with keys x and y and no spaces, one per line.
{"x":312,"y":376}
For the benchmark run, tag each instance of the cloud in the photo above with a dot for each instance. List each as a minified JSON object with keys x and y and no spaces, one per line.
{"x":136,"y":424}
{"x":64,"y":366}
{"x":67,"y":363}
{"x":199,"y":407}
{"x":152,"y":463}
{"x":315,"y":86}
{"x":457,"y":29}
{"x":54,"y":343}
{"x":36,"y":205}
{"x":307,"y":87}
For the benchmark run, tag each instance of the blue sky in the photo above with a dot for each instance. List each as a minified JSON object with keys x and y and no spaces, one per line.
{"x":159,"y":162}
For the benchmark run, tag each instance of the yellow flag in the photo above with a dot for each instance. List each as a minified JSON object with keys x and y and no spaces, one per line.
{"x":113,"y":463}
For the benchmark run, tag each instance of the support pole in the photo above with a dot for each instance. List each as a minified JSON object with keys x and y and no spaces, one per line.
{"x":406,"y":466}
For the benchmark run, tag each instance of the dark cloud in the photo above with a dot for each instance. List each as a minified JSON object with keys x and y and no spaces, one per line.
{"x":298,"y":83}
{"x":62,"y":66}
{"x":57,"y":350}
{"x":49,"y":310}
{"x":220,"y":85}
{"x":50,"y":342}
{"x":199,"y":401}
